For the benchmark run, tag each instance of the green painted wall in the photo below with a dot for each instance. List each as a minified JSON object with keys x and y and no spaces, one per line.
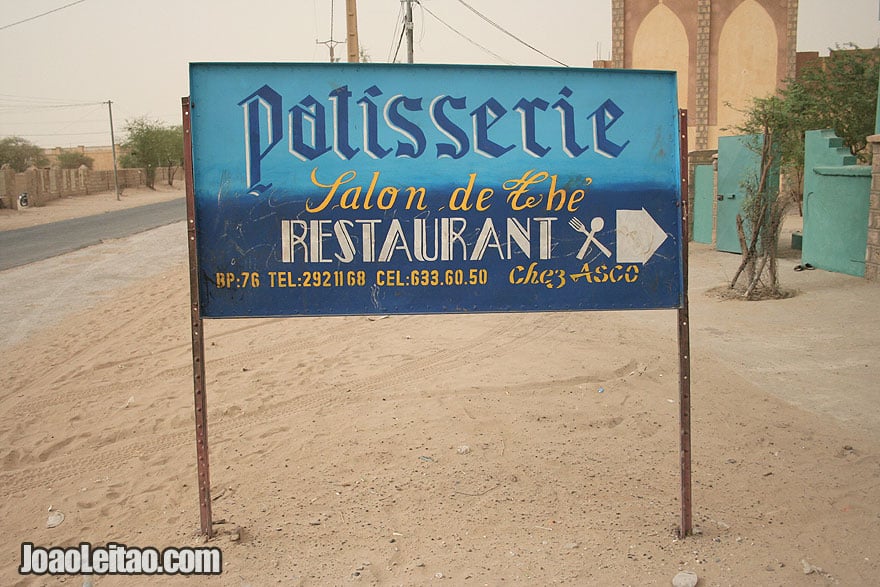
{"x":704,"y":202}
{"x":836,"y":198}
{"x":877,"y":115}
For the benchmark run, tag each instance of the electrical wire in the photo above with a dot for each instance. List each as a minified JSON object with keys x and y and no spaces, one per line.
{"x":315,"y":24}
{"x":394,"y":32}
{"x":506,"y":32}
{"x":32,"y":107}
{"x":84,"y":118}
{"x":332,"y":8}
{"x":399,"y":42}
{"x":17,"y":97}
{"x":463,"y":36}
{"x":10,"y":25}
{"x":421,"y":22}
{"x":60,"y":134}
{"x":38,"y":100}
{"x":79,"y":121}
{"x":331,"y":43}
{"x":25,"y":104}
{"x":49,"y":122}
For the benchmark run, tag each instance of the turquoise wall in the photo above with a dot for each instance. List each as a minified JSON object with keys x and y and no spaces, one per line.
{"x":836,"y":198}
{"x":704,"y":203}
{"x":877,"y":115}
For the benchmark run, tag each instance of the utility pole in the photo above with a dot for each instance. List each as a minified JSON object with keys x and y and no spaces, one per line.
{"x":409,"y":32}
{"x":331,"y":43}
{"x":351,"y":25}
{"x":113,"y":149}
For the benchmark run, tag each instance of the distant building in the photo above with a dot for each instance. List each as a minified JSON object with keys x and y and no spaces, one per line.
{"x":102,"y":157}
{"x":725,"y":52}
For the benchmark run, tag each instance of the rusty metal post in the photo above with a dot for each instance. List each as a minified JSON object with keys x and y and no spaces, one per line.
{"x":684,"y":344}
{"x":198,"y":341}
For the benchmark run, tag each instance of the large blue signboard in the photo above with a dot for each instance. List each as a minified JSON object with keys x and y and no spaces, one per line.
{"x":328,"y":189}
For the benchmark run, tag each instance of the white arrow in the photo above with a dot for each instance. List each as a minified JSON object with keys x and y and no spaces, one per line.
{"x":638,"y":236}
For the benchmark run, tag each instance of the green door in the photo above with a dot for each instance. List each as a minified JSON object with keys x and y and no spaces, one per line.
{"x":704,"y":202}
{"x":738,"y":163}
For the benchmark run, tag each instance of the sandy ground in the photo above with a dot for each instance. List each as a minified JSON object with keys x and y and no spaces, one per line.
{"x":527,"y":449}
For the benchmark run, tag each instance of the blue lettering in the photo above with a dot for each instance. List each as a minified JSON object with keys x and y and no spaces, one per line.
{"x":603,"y":119}
{"x":527,"y":111}
{"x":482,"y":143}
{"x":406,"y":127}
{"x":308,"y":119}
{"x":340,"y":97}
{"x":566,"y":111}
{"x":371,"y":124}
{"x":313,"y":113}
{"x":461,"y":144}
{"x":270,"y":101}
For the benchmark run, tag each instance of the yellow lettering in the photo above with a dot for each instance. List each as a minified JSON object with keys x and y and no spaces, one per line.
{"x":349,"y":199}
{"x":485,"y":194}
{"x":632,"y":273}
{"x":368,"y":204}
{"x":517,"y":188}
{"x":555,"y":194}
{"x":392,"y":192}
{"x":412,"y":194}
{"x":516,"y":275}
{"x":341,"y":180}
{"x":460,"y":198}
{"x":558,"y":198}
{"x":577,"y":196}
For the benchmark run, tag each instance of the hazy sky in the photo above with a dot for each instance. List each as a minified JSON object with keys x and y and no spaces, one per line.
{"x":56,"y":70}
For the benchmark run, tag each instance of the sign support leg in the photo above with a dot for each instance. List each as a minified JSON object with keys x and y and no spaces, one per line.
{"x":684,"y":346}
{"x":198,"y":340}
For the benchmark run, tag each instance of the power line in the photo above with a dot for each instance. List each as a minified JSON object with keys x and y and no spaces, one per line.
{"x":16,"y":98}
{"x":29,"y":107}
{"x":399,"y":42}
{"x":81,"y":118}
{"x":506,"y":32}
{"x":58,"y":134}
{"x":6,"y":26}
{"x":49,"y":122}
{"x":13,"y":102}
{"x":462,"y":35}
{"x":331,"y":43}
{"x":421,"y":22}
{"x":394,"y":32}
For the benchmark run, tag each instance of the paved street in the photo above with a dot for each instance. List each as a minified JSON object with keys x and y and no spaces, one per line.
{"x":27,"y":245}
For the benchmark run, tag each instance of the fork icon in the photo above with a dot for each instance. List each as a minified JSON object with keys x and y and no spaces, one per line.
{"x":596,"y":224}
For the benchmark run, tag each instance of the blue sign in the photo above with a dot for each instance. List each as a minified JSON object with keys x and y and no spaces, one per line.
{"x":333,"y":189}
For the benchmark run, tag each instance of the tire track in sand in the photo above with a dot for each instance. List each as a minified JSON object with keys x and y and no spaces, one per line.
{"x":411,"y":371}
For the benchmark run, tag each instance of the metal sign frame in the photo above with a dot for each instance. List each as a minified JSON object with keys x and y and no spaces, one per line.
{"x":198,"y":341}
{"x":684,"y":348}
{"x":197,"y":292}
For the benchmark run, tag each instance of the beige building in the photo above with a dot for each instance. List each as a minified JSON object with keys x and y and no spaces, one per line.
{"x":725,"y":53}
{"x":102,"y":157}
